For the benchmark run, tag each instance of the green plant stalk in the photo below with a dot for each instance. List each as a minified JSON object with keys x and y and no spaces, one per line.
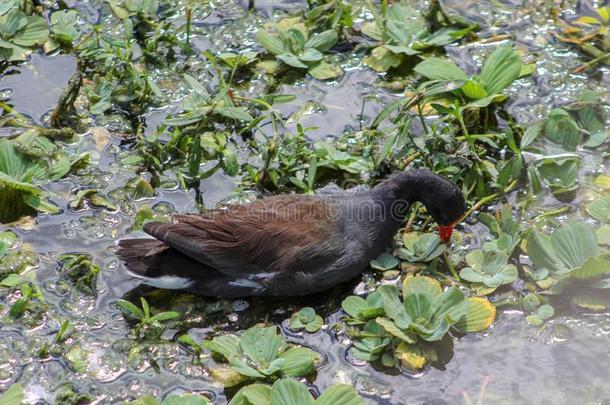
{"x":592,"y":62}
{"x":189,"y":16}
{"x":451,"y":267}
{"x":490,"y":198}
{"x":553,"y":213}
{"x":420,"y":114}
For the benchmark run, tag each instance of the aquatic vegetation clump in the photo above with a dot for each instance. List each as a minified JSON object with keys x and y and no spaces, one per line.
{"x":425,"y":314}
{"x":294,"y":45}
{"x":260,"y":353}
{"x":289,"y":391}
{"x":81,"y":270}
{"x":148,"y":325}
{"x":307,"y":319}
{"x":420,"y":247}
{"x":489,"y":267}
{"x":403,"y":33}
{"x":20,"y":32}
{"x":25,"y":163}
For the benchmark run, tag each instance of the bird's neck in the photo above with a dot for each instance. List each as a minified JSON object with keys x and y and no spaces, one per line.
{"x":405,"y":187}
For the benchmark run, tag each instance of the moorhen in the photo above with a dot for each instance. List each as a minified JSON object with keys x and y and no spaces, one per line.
{"x":287,"y":245}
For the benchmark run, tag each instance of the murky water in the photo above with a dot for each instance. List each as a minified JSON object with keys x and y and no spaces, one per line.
{"x":566,"y":361}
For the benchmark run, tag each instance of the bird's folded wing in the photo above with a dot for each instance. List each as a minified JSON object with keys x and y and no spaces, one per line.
{"x":268,"y":235}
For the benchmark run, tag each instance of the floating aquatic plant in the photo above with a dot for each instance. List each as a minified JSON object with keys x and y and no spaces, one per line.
{"x":31,"y":298}
{"x":420,"y":247}
{"x":292,"y":392}
{"x":504,"y":228}
{"x":18,"y":196}
{"x":489,"y":267}
{"x":384,"y":262}
{"x":307,"y":319}
{"x":80,"y":269}
{"x":292,"y":44}
{"x":425,"y":314}
{"x":260,"y":353}
{"x":538,"y":311}
{"x":570,"y":252}
{"x":148,"y":325}
{"x":185,"y":399}
{"x":19,"y":32}
{"x":128,"y":8}
{"x":499,"y":71}
{"x":13,"y":395}
{"x":361,"y":309}
{"x":600,"y":209}
{"x":582,"y":122}
{"x":64,"y":30}
{"x":402,"y":34}
{"x":558,"y":172}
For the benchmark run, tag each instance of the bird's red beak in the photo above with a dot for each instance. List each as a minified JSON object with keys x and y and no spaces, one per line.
{"x":445,"y":233}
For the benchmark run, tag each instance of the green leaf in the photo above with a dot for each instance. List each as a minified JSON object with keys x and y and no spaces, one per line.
{"x":130,"y":308}
{"x":574,"y":243}
{"x":245,"y":369}
{"x":591,"y":303}
{"x":489,"y":267}
{"x":562,"y":129}
{"x":480,"y":314}
{"x":300,"y":361}
{"x":165,"y":316}
{"x":421,"y":285}
{"x":384,"y":261}
{"x":545,"y":311}
{"x":311,"y":55}
{"x":13,"y":395}
{"x":541,"y":252}
{"x":600,"y":209}
{"x":392,"y":305}
{"x":7,"y":240}
{"x":261,"y":345}
{"x":186,"y":399}
{"x":290,"y":392}
{"x":254,"y":394}
{"x":421,"y":247}
{"x":440,"y":69}
{"x":292,"y":60}
{"x":325,"y":71}
{"x":63,"y":26}
{"x":473,"y":89}
{"x":405,"y":50}
{"x":340,"y":394}
{"x":236,"y":113}
{"x":594,"y":267}
{"x":225,"y":345}
{"x":382,"y":59}
{"x":501,"y":68}
{"x":353,"y":305}
{"x":12,"y":22}
{"x":603,"y":235}
{"x":35,"y":33}
{"x":530,"y":134}
{"x":198,"y":88}
{"x":11,"y":281}
{"x":322,"y":41}
{"x":391,"y":328}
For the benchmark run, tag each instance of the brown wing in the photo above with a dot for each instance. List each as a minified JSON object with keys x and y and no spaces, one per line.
{"x":268,"y":235}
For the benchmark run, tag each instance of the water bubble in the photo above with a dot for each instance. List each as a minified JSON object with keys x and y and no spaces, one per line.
{"x":240,"y":305}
